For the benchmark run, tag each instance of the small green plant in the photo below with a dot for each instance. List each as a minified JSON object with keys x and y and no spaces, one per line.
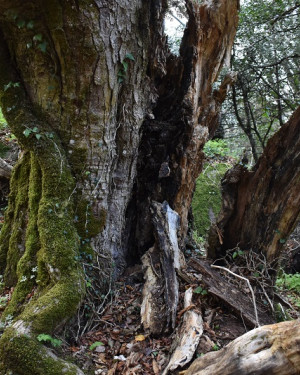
{"x":11,"y":85}
{"x":200,"y":290}
{"x":215,"y":347}
{"x":49,"y":339}
{"x":123,"y":70}
{"x":96,"y":344}
{"x":237,"y":253}
{"x":34,"y":131}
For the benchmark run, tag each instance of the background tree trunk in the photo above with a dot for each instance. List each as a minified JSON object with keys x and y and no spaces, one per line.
{"x":261,"y":206}
{"x":90,"y":90}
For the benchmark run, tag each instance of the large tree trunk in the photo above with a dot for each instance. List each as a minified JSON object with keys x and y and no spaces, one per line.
{"x":261,"y":207}
{"x":90,"y":90}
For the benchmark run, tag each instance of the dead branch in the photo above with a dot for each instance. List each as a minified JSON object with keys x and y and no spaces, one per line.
{"x":249,"y":285}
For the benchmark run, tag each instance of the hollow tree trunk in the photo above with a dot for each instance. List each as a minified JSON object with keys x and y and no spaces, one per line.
{"x":90,"y":91}
{"x":261,"y":206}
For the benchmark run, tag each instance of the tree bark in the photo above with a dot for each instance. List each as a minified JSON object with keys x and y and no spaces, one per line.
{"x":261,"y":206}
{"x":91,"y":91}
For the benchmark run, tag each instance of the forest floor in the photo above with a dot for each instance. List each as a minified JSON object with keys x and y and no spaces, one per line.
{"x":119,"y":344}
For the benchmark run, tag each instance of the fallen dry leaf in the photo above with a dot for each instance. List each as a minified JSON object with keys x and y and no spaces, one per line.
{"x":140,"y":338}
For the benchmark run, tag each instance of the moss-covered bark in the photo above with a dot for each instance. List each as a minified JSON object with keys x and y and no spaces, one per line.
{"x":39,"y":239}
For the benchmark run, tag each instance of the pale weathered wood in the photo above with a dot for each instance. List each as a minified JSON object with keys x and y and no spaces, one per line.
{"x":189,"y":336}
{"x":153,"y":312}
{"x":272,"y":349}
{"x":160,"y":292}
{"x":166,"y":222}
{"x":230,"y":294}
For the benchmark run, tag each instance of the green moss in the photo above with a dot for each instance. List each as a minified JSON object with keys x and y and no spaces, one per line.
{"x":13,"y":231}
{"x":25,"y":355}
{"x":26,"y":264}
{"x":207,"y":196}
{"x":55,"y":304}
{"x":87,"y":224}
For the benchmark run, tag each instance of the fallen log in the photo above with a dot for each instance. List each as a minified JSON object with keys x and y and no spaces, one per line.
{"x":189,"y":335}
{"x":272,"y":349}
{"x":231,"y":296}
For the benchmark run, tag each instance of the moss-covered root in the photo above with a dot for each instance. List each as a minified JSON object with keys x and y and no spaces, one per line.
{"x":20,"y":351}
{"x":24,"y":355}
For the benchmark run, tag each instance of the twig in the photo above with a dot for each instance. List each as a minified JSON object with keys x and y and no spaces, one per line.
{"x":249,"y":285}
{"x":267,"y":297}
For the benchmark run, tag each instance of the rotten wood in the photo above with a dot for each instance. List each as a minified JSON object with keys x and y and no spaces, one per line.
{"x":261,"y":207}
{"x":185,"y":116}
{"x":161,"y":262}
{"x":153,"y":310}
{"x":189,"y":335}
{"x":272,"y":349}
{"x":230,"y":295}
{"x":166,"y":223}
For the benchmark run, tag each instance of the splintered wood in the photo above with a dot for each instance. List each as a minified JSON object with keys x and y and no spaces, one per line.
{"x":160,"y":293}
{"x":189,"y":334}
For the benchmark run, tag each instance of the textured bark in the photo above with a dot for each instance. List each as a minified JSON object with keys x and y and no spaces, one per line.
{"x":229,"y":294}
{"x":78,"y":124}
{"x":272,"y":349}
{"x":90,"y":89}
{"x":261,"y":207}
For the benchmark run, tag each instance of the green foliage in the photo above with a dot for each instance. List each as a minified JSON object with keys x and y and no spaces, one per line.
{"x":265,"y":56}
{"x":124,"y":67}
{"x":49,"y":339}
{"x":11,"y":85}
{"x":218,"y":148}
{"x":96,"y":344}
{"x":207,"y":196}
{"x":291,"y":282}
{"x":200,"y":290}
{"x":237,"y":253}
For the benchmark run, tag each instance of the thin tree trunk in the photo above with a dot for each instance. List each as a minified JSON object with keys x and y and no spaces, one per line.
{"x":245,"y":127}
